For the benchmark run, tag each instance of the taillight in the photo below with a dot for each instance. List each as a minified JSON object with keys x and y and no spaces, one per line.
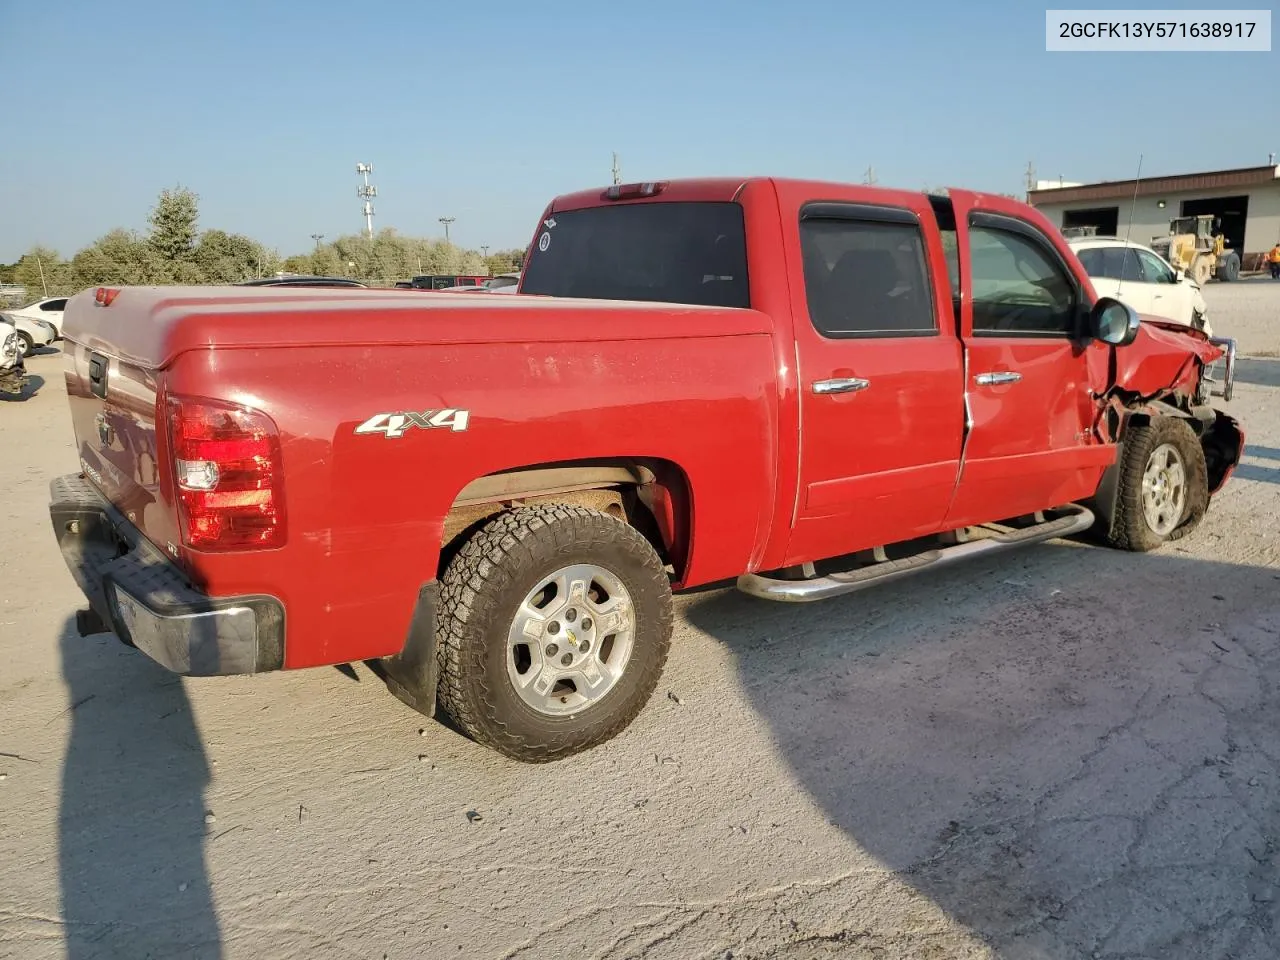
{"x":228,"y":474}
{"x":105,"y":296}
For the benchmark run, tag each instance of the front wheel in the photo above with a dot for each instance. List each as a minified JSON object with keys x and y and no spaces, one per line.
{"x":25,"y":343}
{"x":1164,"y":485}
{"x":554,"y":629}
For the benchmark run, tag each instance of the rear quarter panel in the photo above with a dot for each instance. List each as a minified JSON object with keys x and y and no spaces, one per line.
{"x":366,"y":511}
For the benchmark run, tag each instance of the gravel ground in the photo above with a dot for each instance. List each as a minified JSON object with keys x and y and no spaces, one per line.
{"x":1064,"y":753}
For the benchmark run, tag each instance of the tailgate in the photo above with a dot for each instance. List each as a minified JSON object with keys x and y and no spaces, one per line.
{"x":113,"y":413}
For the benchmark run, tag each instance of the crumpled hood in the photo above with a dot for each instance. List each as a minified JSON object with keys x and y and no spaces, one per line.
{"x":1164,"y":356}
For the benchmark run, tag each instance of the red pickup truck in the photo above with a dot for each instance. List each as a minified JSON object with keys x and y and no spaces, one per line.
{"x":809,"y":387}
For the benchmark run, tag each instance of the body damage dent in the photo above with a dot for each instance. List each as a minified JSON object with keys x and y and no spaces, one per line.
{"x":1159,"y":375}
{"x":1163,"y":360}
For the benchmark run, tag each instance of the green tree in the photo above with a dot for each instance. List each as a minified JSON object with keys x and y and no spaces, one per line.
{"x":231,"y":257}
{"x":505,"y":261}
{"x":43,"y":273}
{"x":173,"y":224}
{"x":119,"y":257}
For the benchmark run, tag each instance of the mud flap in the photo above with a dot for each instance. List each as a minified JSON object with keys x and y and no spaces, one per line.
{"x":412,"y":674}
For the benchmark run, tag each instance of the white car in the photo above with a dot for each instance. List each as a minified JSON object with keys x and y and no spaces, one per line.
{"x":32,"y":332}
{"x":1142,"y":278}
{"x":50,"y":309}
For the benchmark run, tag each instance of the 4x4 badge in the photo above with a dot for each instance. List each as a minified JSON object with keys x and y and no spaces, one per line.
{"x":393,"y":425}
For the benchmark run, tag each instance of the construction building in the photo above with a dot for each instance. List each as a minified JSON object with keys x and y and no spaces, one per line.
{"x":1246,"y":201}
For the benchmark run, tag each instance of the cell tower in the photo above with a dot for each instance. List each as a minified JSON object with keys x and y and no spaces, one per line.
{"x":366,"y":193}
{"x":617,"y":170}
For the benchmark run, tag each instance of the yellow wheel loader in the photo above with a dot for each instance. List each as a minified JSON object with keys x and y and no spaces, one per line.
{"x":1192,"y":246}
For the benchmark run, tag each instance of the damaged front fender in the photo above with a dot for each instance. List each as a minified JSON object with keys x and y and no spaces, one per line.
{"x":1164,"y":358}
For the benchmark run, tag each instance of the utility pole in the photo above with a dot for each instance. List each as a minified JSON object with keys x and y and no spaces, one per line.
{"x":367,"y":192}
{"x":317,"y":237}
{"x":617,"y":171}
{"x":446,"y":221}
{"x":1031,"y":176}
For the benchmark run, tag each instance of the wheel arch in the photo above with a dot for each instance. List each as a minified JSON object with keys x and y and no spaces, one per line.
{"x":652,"y":494}
{"x":1220,"y":437}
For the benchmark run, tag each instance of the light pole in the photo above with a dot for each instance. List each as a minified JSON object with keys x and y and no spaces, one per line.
{"x":367,"y":192}
{"x":317,"y":237}
{"x":446,"y":221}
{"x":484,"y":250}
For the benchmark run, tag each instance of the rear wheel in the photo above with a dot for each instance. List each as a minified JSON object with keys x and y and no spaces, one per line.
{"x":1201,"y":270}
{"x":1164,"y":485}
{"x":25,"y":343}
{"x":554,"y":629}
{"x":1229,"y":269}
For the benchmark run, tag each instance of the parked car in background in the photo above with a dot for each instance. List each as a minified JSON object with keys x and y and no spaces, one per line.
{"x":32,"y":331}
{"x":300,"y":280}
{"x":1140,"y":277}
{"x":501,"y":281}
{"x":49,"y":310}
{"x":13,"y":373}
{"x":446,"y":281}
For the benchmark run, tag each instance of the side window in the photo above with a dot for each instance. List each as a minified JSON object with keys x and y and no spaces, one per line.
{"x":1121,"y":263}
{"x":1018,"y":288}
{"x":54,"y":305}
{"x":1092,"y":261}
{"x":866,"y":278}
{"x":1153,"y":269}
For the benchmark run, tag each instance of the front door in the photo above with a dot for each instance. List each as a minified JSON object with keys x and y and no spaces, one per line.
{"x":1168,"y":297}
{"x":1029,"y":388}
{"x":879,"y":369}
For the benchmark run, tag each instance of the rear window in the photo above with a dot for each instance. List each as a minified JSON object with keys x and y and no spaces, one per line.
{"x":673,"y":252}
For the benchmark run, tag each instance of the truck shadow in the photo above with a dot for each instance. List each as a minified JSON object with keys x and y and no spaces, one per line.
{"x":132,"y":818}
{"x":1068,"y":752}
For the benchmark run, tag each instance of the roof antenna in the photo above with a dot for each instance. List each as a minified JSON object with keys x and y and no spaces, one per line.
{"x":1124,"y":257}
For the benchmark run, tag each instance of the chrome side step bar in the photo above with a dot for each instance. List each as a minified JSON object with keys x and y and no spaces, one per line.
{"x":1074,"y":519}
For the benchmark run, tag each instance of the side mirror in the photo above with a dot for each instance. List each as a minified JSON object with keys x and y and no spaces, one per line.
{"x":1113,"y":322}
{"x":1178,"y":274}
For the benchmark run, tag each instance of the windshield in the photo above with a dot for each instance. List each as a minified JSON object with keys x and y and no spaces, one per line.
{"x":676,"y":252}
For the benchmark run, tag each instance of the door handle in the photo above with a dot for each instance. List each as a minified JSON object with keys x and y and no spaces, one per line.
{"x":992,"y":379}
{"x":840,"y":385}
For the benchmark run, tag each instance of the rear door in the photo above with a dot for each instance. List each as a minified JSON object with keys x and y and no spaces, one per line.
{"x":1031,"y":366}
{"x":879,"y":368}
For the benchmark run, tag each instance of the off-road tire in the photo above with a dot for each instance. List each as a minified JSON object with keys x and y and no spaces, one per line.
{"x":1201,"y":270}
{"x":1229,"y":268}
{"x":1129,"y":527}
{"x":481,"y":589}
{"x":25,"y":343}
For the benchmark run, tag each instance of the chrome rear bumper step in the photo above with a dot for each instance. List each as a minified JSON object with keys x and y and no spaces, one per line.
{"x":1069,"y":520}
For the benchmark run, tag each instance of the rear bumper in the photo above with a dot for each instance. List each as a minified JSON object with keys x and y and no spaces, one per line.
{"x":149,"y":603}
